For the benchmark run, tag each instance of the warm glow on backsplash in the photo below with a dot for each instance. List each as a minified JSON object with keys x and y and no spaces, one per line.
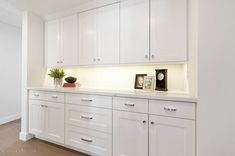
{"x":123,"y":77}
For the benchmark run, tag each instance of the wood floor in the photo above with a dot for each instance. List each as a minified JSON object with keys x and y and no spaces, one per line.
{"x":10,"y":145}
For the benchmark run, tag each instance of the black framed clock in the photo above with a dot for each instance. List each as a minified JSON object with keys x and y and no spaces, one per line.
{"x":161,"y":79}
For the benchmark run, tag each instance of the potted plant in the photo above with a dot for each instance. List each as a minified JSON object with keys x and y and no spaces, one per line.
{"x":58,"y":75}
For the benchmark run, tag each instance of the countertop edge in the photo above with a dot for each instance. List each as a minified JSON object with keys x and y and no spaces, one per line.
{"x":120,"y":93}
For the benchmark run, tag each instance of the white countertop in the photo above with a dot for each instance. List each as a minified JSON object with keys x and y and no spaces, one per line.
{"x":171,"y":96}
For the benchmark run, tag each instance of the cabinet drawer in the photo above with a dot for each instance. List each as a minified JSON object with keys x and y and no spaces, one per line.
{"x":37,"y":95}
{"x":89,"y":117}
{"x":172,"y":109}
{"x":89,"y":100}
{"x":55,"y":97}
{"x":91,"y":141}
{"x":131,"y":104}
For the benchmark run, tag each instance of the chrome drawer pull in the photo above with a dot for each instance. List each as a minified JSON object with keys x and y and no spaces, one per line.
{"x":54,"y":96}
{"x":36,"y":95}
{"x":87,"y":100}
{"x":87,"y":140}
{"x":130,"y":104}
{"x":87,"y":117}
{"x":171,"y":109}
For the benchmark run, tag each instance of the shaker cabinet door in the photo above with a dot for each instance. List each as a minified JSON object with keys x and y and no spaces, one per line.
{"x":108,"y":34}
{"x":130,"y":134}
{"x":36,"y":117}
{"x":69,"y":43}
{"x":52,"y":44}
{"x":171,"y":136}
{"x":134,"y":31}
{"x":54,"y":122}
{"x":168,"y":31}
{"x":87,"y":37}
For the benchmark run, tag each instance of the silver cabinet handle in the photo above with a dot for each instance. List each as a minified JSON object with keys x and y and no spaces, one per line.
{"x":144,"y":121}
{"x":42,"y":105}
{"x":36,"y":95}
{"x":87,"y":140}
{"x":152,"y":123}
{"x":86,"y":100}
{"x":54,"y":96}
{"x":94,"y":60}
{"x":45,"y":106}
{"x":146,"y":56}
{"x":98,"y":59}
{"x":152,"y":56}
{"x":130,"y":104}
{"x":58,"y":62}
{"x":170,"y":109}
{"x":86,"y":117}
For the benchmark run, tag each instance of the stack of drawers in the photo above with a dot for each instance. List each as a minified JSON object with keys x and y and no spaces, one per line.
{"x":89,"y":123}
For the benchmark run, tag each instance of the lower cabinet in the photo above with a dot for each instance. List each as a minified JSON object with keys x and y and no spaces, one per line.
{"x":136,"y":134}
{"x":130,"y":134}
{"x":46,"y":120}
{"x":171,"y":136}
{"x":89,"y":141}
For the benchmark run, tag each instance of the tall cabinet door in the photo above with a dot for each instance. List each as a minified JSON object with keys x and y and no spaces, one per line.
{"x":130,"y":134}
{"x":168,"y":30}
{"x":55,"y":121}
{"x":69,"y":51}
{"x":108,"y":34}
{"x":87,"y":37}
{"x":52,"y":43}
{"x":134,"y":31}
{"x":36,"y":117}
{"x":171,"y":136}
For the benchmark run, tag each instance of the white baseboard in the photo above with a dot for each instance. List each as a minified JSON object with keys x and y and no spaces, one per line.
{"x":25,"y":136}
{"x":10,"y":118}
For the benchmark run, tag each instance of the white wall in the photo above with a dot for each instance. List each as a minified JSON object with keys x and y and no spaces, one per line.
{"x":33,"y":71}
{"x":10,"y":68}
{"x":123,"y":76}
{"x":216,"y":106}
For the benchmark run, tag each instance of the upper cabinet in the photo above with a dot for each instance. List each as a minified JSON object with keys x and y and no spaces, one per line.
{"x":52,"y":39}
{"x":87,"y":39}
{"x":131,"y":31}
{"x":134,"y":30}
{"x":61,"y":42}
{"x":108,"y":34}
{"x":99,"y":36}
{"x":168,"y":31}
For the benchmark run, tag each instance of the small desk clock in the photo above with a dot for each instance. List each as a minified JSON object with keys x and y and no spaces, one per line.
{"x":161,"y":79}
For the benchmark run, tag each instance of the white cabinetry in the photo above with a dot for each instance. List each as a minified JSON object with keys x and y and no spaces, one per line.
{"x":171,"y":136}
{"x":130,"y":134}
{"x":46,"y":119}
{"x":168,"y":31}
{"x":61,"y":42}
{"x":52,"y":43}
{"x":89,"y":123}
{"x":105,"y":125}
{"x":99,"y":36}
{"x":134,"y":30}
{"x":36,"y":117}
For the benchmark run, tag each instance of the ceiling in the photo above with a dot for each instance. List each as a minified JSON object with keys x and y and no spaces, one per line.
{"x":45,"y":7}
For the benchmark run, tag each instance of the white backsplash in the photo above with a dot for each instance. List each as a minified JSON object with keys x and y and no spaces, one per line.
{"x":123,"y":77}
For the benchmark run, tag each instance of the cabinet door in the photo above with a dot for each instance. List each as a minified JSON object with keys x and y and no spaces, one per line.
{"x":168,"y":30}
{"x":69,"y":41}
{"x":134,"y":31}
{"x":52,"y":43}
{"x":36,"y":117}
{"x":55,"y":122}
{"x":108,"y":34}
{"x":171,"y":136}
{"x":87,"y":37}
{"x":130,"y":134}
